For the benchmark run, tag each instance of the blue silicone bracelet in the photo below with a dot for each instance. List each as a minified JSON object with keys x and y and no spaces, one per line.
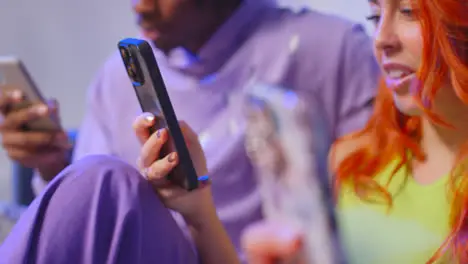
{"x":204,"y":178}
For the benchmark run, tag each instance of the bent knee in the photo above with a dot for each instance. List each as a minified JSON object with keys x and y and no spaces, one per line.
{"x":103,"y":171}
{"x":102,"y":161}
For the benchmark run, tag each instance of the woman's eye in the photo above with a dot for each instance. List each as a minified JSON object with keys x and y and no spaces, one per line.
{"x":408,"y":13}
{"x":373,"y":18}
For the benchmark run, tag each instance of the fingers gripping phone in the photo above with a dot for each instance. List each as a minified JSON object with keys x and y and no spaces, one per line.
{"x":14,"y":76}
{"x":149,"y":86}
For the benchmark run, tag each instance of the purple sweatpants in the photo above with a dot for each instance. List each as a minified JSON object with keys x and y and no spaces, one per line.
{"x":98,"y":210}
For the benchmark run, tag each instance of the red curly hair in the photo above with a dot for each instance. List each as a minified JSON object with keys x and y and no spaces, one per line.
{"x":444,"y":27}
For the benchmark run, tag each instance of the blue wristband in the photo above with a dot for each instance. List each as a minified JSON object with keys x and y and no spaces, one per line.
{"x":204,"y":178}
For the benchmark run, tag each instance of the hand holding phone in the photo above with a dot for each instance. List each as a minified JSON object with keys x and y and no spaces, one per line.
{"x":31,"y":133}
{"x":194,"y":206}
{"x":150,"y":89}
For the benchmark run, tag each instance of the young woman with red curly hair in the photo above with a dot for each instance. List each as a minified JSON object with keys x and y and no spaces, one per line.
{"x":403,"y":179}
{"x":402,"y":182}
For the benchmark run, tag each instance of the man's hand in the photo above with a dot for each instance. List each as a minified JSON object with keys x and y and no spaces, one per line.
{"x":46,"y":151}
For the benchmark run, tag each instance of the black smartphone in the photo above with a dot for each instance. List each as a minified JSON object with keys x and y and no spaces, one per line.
{"x":14,"y":75}
{"x":149,"y":86}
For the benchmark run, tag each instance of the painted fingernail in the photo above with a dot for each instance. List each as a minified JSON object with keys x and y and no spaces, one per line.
{"x":15,"y":94}
{"x":172,"y":157}
{"x":149,"y":118}
{"x":159,"y":132}
{"x":40,"y":110}
{"x":52,"y":104}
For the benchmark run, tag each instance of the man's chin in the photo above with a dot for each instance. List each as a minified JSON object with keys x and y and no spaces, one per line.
{"x":151,"y":34}
{"x":161,"y":41}
{"x":163,"y":44}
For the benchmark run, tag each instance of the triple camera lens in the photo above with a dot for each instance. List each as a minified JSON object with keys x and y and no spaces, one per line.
{"x":133,"y":69}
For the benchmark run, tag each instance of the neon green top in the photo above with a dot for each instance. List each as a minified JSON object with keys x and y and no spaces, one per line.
{"x":408,"y":233}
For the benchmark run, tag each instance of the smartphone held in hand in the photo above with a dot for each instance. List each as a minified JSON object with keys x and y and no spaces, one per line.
{"x":149,"y":86}
{"x":15,"y":77}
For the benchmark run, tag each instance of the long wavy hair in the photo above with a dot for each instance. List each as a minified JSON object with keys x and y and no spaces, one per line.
{"x":444,"y":27}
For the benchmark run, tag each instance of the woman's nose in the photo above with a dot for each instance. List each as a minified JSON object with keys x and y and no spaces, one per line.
{"x":386,"y":36}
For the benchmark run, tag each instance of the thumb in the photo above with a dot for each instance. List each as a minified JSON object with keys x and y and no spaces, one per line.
{"x":53,"y":105}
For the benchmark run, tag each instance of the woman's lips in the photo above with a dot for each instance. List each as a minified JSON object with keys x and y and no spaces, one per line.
{"x":395,"y":83}
{"x":397,"y":75}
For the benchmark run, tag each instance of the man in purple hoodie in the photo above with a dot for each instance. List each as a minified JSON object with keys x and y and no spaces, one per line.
{"x":207,"y":51}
